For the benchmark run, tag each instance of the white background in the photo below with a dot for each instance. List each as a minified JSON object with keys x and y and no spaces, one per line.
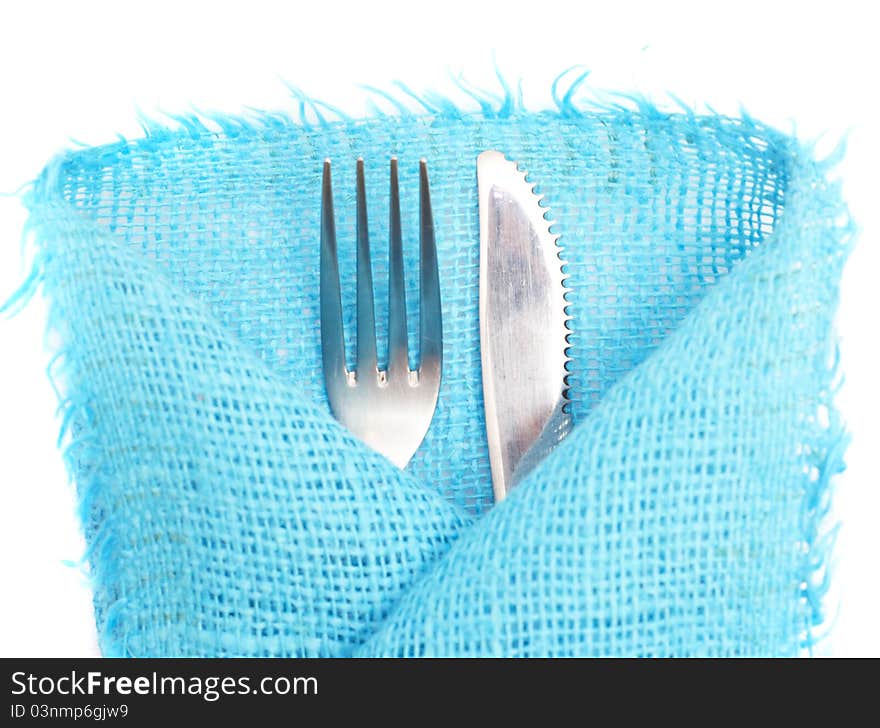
{"x":81,"y":70}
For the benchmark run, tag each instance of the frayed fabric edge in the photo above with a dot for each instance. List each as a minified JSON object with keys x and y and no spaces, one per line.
{"x":571,"y":95}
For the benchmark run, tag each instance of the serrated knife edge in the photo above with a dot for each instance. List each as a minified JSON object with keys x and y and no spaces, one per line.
{"x":523,"y":323}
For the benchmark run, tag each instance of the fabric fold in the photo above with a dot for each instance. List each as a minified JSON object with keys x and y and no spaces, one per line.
{"x":209,"y":534}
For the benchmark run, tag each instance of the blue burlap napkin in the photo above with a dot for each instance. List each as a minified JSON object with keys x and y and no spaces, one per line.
{"x":227,"y":513}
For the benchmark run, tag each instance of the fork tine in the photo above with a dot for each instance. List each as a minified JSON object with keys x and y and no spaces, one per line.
{"x":398,"y":343}
{"x":366,"y":323}
{"x":430,"y":319}
{"x":332,"y":340}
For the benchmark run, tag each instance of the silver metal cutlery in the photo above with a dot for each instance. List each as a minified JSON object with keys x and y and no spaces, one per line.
{"x":523,"y":324}
{"x":523,"y":327}
{"x":390,"y":409}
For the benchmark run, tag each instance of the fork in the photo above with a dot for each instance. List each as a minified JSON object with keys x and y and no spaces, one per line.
{"x":390,"y":409}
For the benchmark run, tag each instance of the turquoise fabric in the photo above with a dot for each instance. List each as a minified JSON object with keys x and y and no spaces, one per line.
{"x":227,"y":513}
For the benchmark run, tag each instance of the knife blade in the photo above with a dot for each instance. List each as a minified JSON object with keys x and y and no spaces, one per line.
{"x":523,"y":324}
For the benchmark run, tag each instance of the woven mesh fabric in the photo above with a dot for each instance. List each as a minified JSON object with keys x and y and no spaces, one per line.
{"x":227,"y":513}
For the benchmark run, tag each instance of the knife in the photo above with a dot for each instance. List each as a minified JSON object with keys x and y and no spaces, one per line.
{"x":523,"y":325}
